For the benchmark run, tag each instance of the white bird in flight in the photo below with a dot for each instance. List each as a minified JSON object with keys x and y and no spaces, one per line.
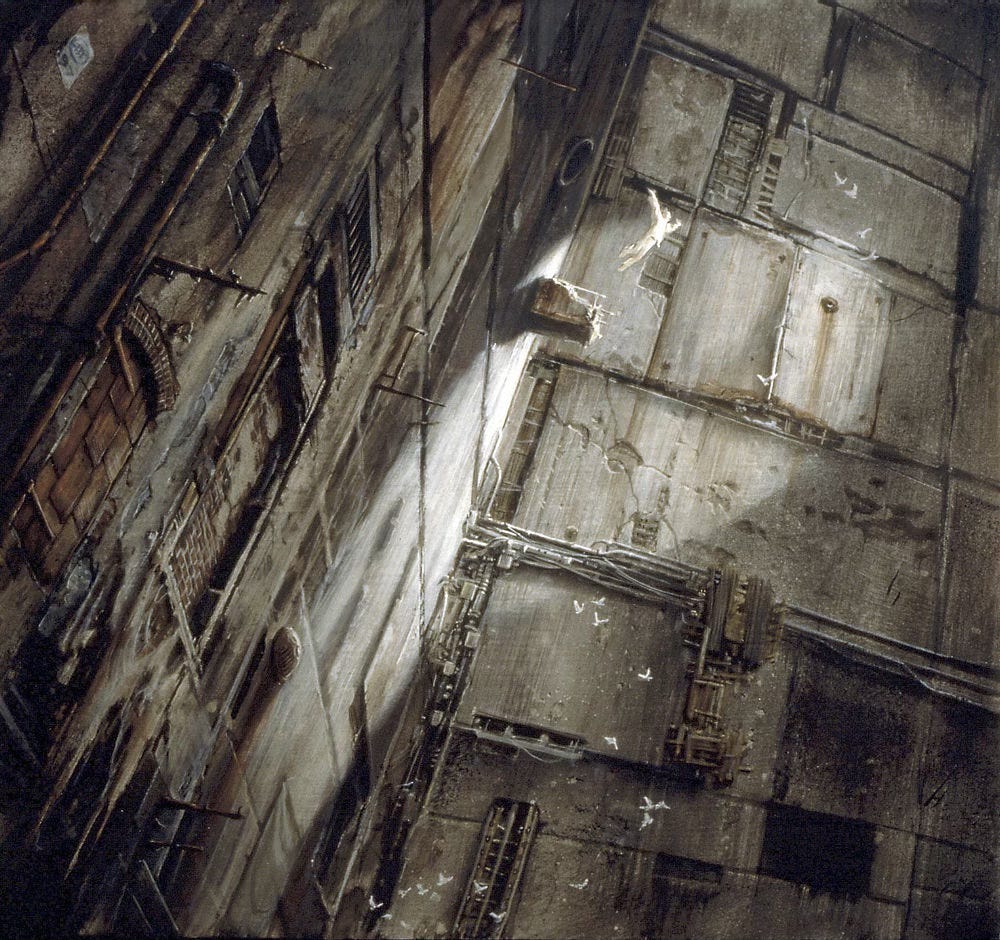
{"x":613,"y":742}
{"x":646,"y":676}
{"x":841,"y":180}
{"x":578,"y":607}
{"x":660,"y":228}
{"x":852,"y":193}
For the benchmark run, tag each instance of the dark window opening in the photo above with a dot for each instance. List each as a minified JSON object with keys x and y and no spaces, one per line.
{"x":827,"y":853}
{"x":255,"y":170}
{"x":329,"y":310}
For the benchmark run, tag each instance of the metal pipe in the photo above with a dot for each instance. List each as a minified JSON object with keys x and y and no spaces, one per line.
{"x":211,"y":124}
{"x":42,"y":240}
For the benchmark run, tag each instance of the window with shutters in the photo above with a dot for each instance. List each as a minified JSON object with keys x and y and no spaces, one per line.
{"x":255,"y":170}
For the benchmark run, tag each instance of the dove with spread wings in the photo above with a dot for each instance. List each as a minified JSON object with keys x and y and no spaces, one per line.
{"x":661,"y":227}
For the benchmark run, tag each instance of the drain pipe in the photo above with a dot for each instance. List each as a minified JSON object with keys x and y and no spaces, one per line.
{"x":71,"y":200}
{"x":211,"y":124}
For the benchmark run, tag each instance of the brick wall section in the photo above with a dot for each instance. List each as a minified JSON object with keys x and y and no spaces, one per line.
{"x":70,"y":485}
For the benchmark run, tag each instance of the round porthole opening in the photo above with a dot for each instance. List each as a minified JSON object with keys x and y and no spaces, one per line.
{"x":575,"y":161}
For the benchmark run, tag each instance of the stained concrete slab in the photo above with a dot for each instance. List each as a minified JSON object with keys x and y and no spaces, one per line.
{"x":813,"y":520}
{"x":847,"y":751}
{"x":721,"y":328}
{"x":972,"y":575}
{"x":789,"y":47}
{"x":832,"y":190}
{"x":877,"y":368}
{"x":764,"y":906}
{"x":975,"y":442}
{"x":899,"y":87}
{"x":682,"y":109}
{"x":836,"y":327}
{"x":959,"y":787}
{"x":955,"y":29}
{"x":914,"y":393}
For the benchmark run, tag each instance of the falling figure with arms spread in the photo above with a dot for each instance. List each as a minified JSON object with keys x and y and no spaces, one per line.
{"x":661,"y":227}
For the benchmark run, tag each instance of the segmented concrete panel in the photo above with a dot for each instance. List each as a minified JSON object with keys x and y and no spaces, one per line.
{"x":955,"y":29}
{"x":838,"y":534}
{"x":831,"y":190}
{"x":786,"y":41}
{"x":972,"y":617}
{"x":836,"y":328}
{"x":902,"y":88}
{"x":681,"y":113}
{"x":975,"y":444}
{"x":721,"y":329}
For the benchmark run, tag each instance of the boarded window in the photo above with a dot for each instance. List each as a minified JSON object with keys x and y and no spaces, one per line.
{"x":659,"y":273}
{"x":255,"y":169}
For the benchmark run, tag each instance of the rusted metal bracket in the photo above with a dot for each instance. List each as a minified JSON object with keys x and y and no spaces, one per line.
{"x":168,"y":267}
{"x":201,"y":808}
{"x":167,"y":844}
{"x":540,"y":75}
{"x":281,"y":47}
{"x":399,"y":391}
